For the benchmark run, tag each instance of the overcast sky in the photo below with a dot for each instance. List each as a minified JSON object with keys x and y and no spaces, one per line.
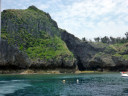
{"x":83,"y":18}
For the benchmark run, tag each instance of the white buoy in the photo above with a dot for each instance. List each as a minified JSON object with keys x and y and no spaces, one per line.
{"x":63,"y":81}
{"x":77,"y":81}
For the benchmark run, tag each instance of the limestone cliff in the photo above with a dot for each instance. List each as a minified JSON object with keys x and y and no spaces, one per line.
{"x":32,"y":39}
{"x":32,"y":32}
{"x":96,"y":56}
{"x":12,"y":58}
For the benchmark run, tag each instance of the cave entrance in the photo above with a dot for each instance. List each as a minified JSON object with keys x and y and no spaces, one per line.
{"x":80,"y":65}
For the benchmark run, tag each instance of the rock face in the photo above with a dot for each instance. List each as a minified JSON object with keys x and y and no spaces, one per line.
{"x":12,"y":58}
{"x":92,"y":56}
{"x":31,"y":39}
{"x":82,"y":50}
{"x":33,"y":32}
{"x":57,"y":62}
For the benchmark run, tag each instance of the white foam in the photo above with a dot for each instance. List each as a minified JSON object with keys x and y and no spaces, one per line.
{"x":10,"y":87}
{"x":17,"y":80}
{"x":3,"y":81}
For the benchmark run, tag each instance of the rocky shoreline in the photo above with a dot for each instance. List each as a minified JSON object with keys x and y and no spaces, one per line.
{"x":42,"y":45}
{"x":56,"y":71}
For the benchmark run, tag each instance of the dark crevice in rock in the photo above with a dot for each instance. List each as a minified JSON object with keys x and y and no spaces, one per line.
{"x":80,"y":65}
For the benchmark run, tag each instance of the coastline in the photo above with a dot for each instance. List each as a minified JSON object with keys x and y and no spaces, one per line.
{"x":36,"y":71}
{"x":50,"y":71}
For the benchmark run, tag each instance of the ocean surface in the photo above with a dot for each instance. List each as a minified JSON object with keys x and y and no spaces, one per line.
{"x":100,"y":84}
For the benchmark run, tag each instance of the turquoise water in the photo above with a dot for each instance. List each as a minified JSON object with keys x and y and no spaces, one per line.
{"x":110,"y":84}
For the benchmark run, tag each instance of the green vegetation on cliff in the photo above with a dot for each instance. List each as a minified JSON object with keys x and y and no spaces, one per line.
{"x":33,"y":32}
{"x":116,"y":47}
{"x":122,"y":50}
{"x":48,"y":48}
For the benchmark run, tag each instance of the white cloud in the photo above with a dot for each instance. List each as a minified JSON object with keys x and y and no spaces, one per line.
{"x":93,"y":18}
{"x":83,"y":18}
